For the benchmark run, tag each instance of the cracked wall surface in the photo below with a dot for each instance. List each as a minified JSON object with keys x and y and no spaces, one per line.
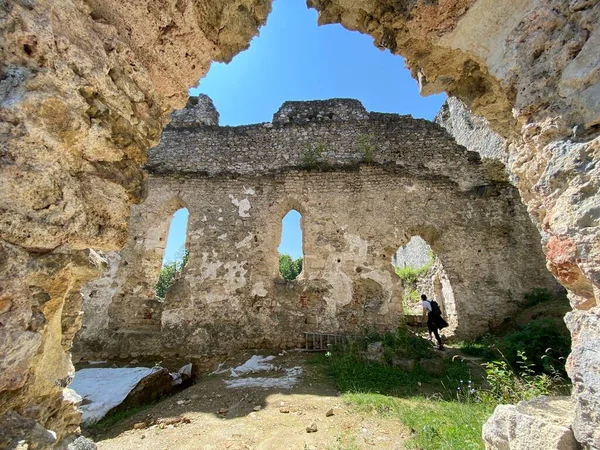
{"x":355,"y":214}
{"x":86,"y":87}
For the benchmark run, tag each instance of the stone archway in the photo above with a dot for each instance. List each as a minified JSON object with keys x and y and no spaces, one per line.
{"x":87,"y":85}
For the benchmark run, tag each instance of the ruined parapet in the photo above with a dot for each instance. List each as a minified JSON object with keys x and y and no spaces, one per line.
{"x":349,"y":138}
{"x":471,"y":131}
{"x":198,"y":111}
{"x":332,"y":110}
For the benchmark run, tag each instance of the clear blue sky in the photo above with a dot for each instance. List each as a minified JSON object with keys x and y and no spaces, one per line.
{"x":291,"y":235}
{"x":293,"y":59}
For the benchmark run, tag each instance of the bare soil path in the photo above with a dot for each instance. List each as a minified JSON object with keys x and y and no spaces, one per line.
{"x":219,"y":417}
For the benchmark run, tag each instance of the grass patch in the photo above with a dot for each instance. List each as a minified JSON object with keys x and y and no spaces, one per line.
{"x":352,"y":373}
{"x":442,"y":412}
{"x":435,"y":424}
{"x":545,"y":344}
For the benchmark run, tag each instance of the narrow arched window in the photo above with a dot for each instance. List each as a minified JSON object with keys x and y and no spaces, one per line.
{"x":176,"y":253}
{"x":290,"y":249}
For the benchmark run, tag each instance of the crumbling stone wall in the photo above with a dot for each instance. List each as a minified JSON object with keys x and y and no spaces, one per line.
{"x":354,"y":217}
{"x":86,"y":87}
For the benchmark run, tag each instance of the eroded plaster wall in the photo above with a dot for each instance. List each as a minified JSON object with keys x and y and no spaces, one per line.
{"x":355,"y":215}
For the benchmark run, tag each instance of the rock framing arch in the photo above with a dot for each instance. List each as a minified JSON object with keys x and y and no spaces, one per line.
{"x":355,"y":214}
{"x":87,"y":86}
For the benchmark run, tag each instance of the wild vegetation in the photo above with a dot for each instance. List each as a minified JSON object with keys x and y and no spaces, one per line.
{"x":169,"y":272}
{"x":290,"y":268}
{"x":313,"y":154}
{"x":410,"y":276}
{"x":365,"y":144}
{"x":448,"y":411}
{"x":544,"y":340}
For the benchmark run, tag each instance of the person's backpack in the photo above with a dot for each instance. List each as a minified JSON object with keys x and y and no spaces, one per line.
{"x":435,"y":308}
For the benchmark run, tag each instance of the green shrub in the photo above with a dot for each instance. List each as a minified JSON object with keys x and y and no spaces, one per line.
{"x":290,"y":268}
{"x":403,"y":344}
{"x":536,"y":296}
{"x":410,"y":275}
{"x":545,"y":342}
{"x":312,"y":155}
{"x":509,"y":386}
{"x":366,"y":146}
{"x":168,"y":273}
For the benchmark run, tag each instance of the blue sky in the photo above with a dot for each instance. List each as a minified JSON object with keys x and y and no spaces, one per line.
{"x":293,"y":59}
{"x":291,"y":235}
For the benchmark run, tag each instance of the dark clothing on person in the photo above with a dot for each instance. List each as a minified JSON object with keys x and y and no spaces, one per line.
{"x":435,"y":322}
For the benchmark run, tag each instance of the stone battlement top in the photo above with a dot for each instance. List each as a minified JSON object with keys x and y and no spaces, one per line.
{"x":311,"y":134}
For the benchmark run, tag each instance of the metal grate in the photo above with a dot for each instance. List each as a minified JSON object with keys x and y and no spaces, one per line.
{"x":320,"y":342}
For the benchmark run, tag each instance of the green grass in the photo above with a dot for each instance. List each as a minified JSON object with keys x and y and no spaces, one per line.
{"x":354,"y":375}
{"x":546,"y":344}
{"x":440,"y":411}
{"x":428,"y":405}
{"x":435,"y":424}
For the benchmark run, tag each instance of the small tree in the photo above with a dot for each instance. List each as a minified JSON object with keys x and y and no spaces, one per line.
{"x":289,"y":268}
{"x":170,"y":271}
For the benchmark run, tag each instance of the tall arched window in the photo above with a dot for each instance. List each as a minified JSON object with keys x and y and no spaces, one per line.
{"x":176,"y":253}
{"x":290,"y":248}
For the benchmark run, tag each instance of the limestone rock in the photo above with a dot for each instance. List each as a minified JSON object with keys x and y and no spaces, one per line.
{"x":375,"y":348}
{"x":81,"y":443}
{"x":582,"y":367}
{"x":471,"y":131}
{"x":407,"y":365}
{"x":541,"y":423}
{"x":433,"y":366}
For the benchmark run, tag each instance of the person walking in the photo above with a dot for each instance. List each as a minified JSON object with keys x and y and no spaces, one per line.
{"x":435,"y":321}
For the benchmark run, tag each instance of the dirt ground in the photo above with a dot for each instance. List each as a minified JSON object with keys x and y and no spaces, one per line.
{"x":210,"y":415}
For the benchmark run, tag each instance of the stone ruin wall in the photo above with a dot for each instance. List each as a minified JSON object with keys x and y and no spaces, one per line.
{"x":87,"y":86}
{"x":239,"y":182}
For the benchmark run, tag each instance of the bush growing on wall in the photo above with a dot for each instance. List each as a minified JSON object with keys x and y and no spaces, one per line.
{"x":169,"y":273}
{"x":289,"y":268}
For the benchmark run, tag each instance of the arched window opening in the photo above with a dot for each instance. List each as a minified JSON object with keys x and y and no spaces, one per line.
{"x":290,"y":248}
{"x":415,"y":264}
{"x":176,"y":253}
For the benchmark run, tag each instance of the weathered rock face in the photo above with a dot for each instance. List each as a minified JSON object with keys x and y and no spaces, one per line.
{"x":471,"y":131}
{"x":543,"y":422}
{"x":86,"y":87}
{"x":239,"y":182}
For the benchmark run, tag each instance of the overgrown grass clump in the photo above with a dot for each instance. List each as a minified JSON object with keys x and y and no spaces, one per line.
{"x":442,"y":412}
{"x":435,"y":424}
{"x":355,"y":374}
